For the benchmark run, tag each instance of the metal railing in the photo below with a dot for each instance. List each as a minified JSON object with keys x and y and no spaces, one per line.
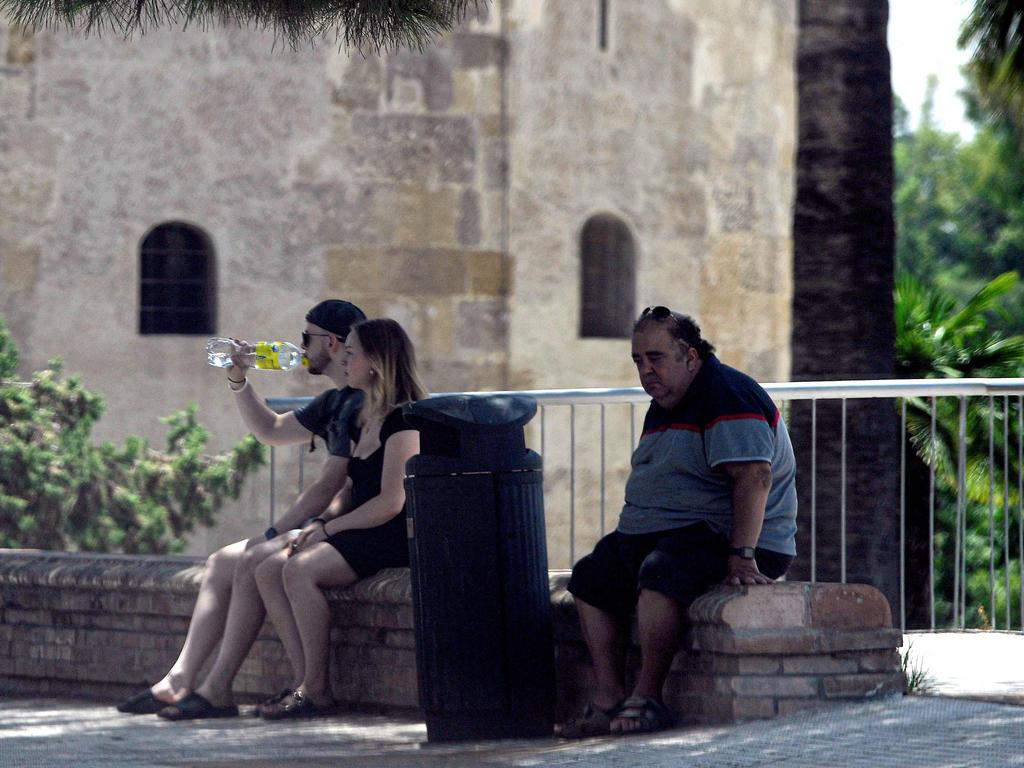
{"x":593,"y":481}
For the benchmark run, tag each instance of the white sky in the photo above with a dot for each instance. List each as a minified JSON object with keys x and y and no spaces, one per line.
{"x":922,"y":41}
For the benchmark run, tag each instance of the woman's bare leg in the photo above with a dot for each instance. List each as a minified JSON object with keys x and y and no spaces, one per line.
{"x":244,"y":619}
{"x":206,"y":627}
{"x":270,"y":582}
{"x":306,"y":575}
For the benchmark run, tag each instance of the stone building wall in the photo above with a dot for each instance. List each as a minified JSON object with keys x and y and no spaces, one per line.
{"x":446,"y":189}
{"x":684,"y":128}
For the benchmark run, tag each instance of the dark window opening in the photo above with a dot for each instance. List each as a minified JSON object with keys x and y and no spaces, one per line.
{"x":178,"y":282}
{"x":602,"y":24}
{"x":607,"y":278}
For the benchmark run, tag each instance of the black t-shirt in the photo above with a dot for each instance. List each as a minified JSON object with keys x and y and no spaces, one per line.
{"x":328,"y":417}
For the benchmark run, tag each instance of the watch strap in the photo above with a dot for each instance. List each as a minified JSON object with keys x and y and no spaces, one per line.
{"x":747,"y":553}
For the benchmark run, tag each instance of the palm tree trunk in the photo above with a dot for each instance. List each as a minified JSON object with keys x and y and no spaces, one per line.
{"x":843,"y":285}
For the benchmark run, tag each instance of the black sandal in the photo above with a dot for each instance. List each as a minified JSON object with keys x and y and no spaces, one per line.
{"x":142,"y":703}
{"x":196,"y":707}
{"x":593,"y":722}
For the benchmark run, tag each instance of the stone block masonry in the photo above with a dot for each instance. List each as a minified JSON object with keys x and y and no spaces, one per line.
{"x":103,"y":626}
{"x":75,"y":624}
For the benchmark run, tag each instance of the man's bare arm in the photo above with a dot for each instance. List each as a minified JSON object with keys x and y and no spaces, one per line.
{"x":269,"y":427}
{"x":317,"y":497}
{"x":751,"y":482}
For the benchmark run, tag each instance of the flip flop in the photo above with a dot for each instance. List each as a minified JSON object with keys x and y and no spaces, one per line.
{"x":650,"y":713}
{"x":142,"y":703}
{"x":196,"y":707}
{"x":593,"y":722}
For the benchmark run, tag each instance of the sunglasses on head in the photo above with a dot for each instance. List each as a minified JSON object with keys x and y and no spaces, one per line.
{"x":660,"y":313}
{"x":306,"y":336}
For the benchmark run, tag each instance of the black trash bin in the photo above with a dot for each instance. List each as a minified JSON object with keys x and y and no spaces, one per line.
{"x":482,"y":605}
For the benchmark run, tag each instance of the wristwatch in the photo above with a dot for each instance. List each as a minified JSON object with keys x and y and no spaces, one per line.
{"x":270,"y":533}
{"x":747,"y":553}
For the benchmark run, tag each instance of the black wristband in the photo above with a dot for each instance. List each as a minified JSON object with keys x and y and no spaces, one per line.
{"x":270,"y":533}
{"x":747,"y":553}
{"x":321,"y":521}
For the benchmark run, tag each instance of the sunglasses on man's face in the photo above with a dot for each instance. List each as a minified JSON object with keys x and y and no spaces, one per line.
{"x":306,"y":336}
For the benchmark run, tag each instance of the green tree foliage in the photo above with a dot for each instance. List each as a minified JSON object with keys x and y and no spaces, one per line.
{"x":937,"y":336}
{"x":994,"y":29}
{"x":959,"y":209}
{"x":59,"y":491}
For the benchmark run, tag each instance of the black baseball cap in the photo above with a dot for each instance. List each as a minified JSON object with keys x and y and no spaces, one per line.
{"x":335,"y":316}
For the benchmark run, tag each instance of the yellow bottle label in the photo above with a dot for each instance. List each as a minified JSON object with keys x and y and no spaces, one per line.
{"x":267,"y":357}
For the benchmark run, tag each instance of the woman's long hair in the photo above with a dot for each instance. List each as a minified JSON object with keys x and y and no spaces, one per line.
{"x":393,"y":357}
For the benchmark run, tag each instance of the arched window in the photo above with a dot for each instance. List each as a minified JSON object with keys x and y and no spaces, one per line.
{"x":607,"y":278}
{"x":178,"y":281}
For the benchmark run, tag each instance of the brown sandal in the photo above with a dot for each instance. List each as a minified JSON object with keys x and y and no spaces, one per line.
{"x":297,"y":704}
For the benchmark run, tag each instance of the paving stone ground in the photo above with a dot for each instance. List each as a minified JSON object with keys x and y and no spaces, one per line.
{"x":928,"y":731}
{"x":932,"y":732}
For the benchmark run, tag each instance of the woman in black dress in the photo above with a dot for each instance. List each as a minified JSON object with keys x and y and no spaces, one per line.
{"x":361,"y":535}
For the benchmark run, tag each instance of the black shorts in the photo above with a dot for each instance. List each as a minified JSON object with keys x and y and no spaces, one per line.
{"x":682,"y":563}
{"x":368,"y":550}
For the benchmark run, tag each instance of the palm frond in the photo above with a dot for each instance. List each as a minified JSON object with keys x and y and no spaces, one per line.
{"x":373,"y":24}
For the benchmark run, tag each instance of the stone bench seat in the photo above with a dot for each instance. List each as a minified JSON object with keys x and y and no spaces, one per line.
{"x":77,"y":624}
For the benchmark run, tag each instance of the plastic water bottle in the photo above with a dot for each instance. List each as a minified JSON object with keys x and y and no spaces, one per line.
{"x":269,"y":355}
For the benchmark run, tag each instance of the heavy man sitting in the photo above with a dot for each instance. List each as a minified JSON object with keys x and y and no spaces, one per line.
{"x":711,"y":498}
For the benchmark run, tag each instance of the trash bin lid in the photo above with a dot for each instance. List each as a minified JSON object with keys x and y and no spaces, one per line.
{"x":472,"y":413}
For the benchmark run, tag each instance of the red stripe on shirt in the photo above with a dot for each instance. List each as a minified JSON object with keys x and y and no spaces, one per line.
{"x":739,"y":416}
{"x":666,"y":427}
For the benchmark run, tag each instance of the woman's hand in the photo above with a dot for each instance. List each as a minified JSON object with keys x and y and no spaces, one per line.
{"x":312,"y":534}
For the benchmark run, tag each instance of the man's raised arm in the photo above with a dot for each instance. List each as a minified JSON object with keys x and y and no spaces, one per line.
{"x":269,"y":427}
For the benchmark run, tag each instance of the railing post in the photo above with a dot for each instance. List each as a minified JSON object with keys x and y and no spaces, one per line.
{"x":814,"y":490}
{"x":959,"y":590}
{"x":931,"y":520}
{"x":842,"y":502}
{"x":602,"y":468}
{"x":273,"y":484}
{"x":991,"y":512}
{"x":1006,"y":503}
{"x":572,"y":485}
{"x":903,"y":514}
{"x":1020,"y":501}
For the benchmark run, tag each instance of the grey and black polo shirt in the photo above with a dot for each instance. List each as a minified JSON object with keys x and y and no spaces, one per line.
{"x":328,"y":416}
{"x":677,"y":479}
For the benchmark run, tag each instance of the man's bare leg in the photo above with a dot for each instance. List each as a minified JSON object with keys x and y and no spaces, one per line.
{"x":606,"y":641}
{"x":207,"y":626}
{"x":659,"y":625}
